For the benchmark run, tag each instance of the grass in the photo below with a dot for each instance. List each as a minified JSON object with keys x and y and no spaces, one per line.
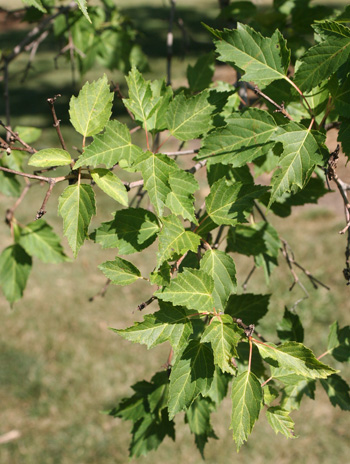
{"x":60,"y":365}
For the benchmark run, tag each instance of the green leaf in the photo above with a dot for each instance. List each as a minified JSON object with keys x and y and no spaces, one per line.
{"x":38,"y":239}
{"x":262,"y":59}
{"x":38,"y":5}
{"x":338,"y":391}
{"x":149,"y":432}
{"x":28,"y":134}
{"x":131,"y":230}
{"x":50,"y":157}
{"x":140,"y":101}
{"x":9,"y":184}
{"x":339,"y":342}
{"x":280,"y":421}
{"x":198,"y":418}
{"x":257,"y":365}
{"x":112,"y":147}
{"x":219,"y":386}
{"x":188,"y":118}
{"x":174,"y":240}
{"x":120,"y":271}
{"x":169,"y":323}
{"x":224,"y":338}
{"x":15,"y":266}
{"x":191,"y":288}
{"x":341,"y":96}
{"x":301,"y":153}
{"x":83,"y":8}
{"x":247,"y":399}
{"x":162,"y":95}
{"x":244,"y":138}
{"x":110,"y":184}
{"x":322,"y":60}
{"x":230,"y":204}
{"x":295,"y":389}
{"x":296,"y":358}
{"x":200,"y":75}
{"x":344,"y":136}
{"x":155,"y":169}
{"x":76,"y":205}
{"x":91,"y":110}
{"x":290,"y":328}
{"x":248,"y":307}
{"x":181,"y":200}
{"x":221,"y":267}
{"x":161,"y":276}
{"x":260,"y":240}
{"x":191,"y":375}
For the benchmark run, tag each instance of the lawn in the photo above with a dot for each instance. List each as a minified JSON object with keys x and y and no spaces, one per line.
{"x":61,"y":366}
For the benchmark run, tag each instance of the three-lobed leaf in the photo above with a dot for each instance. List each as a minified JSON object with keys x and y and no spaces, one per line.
{"x":91,"y":109}
{"x":111,"y":147}
{"x":191,"y":374}
{"x":191,"y":288}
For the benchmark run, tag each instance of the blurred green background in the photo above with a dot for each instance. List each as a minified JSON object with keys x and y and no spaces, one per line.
{"x":60,"y":365}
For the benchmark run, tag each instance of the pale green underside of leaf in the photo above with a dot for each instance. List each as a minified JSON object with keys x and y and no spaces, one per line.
{"x":175,"y":240}
{"x":181,"y":200}
{"x":110,"y":184}
{"x":91,"y":109}
{"x":221,"y":267}
{"x":296,"y":358}
{"x":300,"y":155}
{"x":39,"y":239}
{"x":191,"y":288}
{"x":155,"y":169}
{"x":76,"y":205}
{"x":191,"y":375}
{"x":280,"y":421}
{"x":15,"y":266}
{"x":263,"y":59}
{"x":120,"y":271}
{"x":224,"y":338}
{"x":131,"y":230}
{"x":247,"y":397}
{"x":170,"y":323}
{"x":244,"y":138}
{"x":321,"y":61}
{"x":229,"y":204}
{"x":188,"y":118}
{"x":83,"y":7}
{"x":112,"y":147}
{"x":50,"y":157}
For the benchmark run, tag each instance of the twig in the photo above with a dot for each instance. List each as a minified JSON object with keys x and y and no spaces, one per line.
{"x":102,"y":292}
{"x":7,"y":98}
{"x":218,"y":237}
{"x":42,"y":210}
{"x":15,"y":136}
{"x":33,"y":47}
{"x":170,"y":40}
{"x":181,"y":153}
{"x":116,"y":89}
{"x":197,"y":166}
{"x":56,"y":121}
{"x":248,"y":329}
{"x":245,"y":283}
{"x":37,"y":30}
{"x":146,"y":303}
{"x":10,"y":211}
{"x":280,"y":108}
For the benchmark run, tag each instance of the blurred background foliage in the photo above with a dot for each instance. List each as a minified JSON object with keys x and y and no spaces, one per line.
{"x":60,"y":366}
